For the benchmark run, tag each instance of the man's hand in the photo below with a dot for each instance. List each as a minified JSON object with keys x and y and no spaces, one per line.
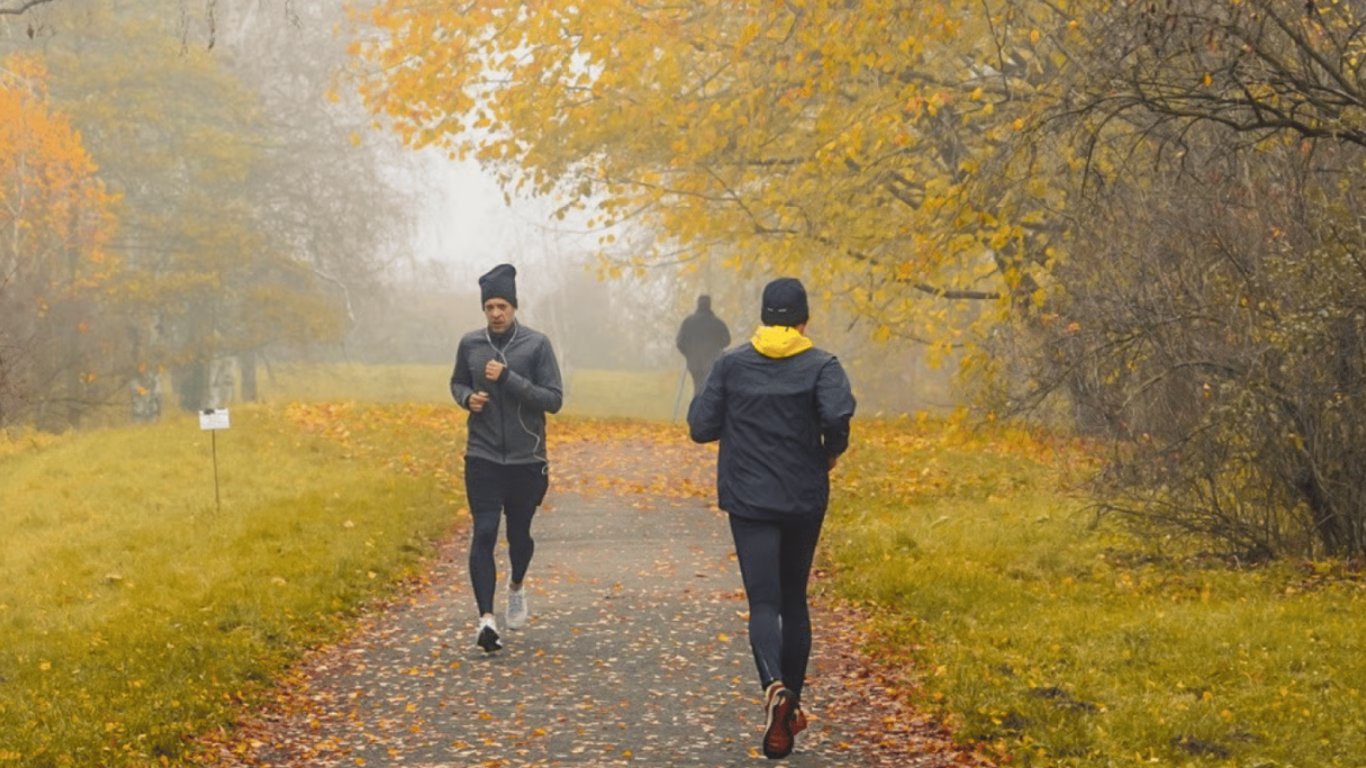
{"x":477,"y":401}
{"x":494,"y":370}
{"x":833,"y":461}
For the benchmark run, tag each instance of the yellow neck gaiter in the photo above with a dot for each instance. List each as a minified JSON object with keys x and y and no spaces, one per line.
{"x":778,"y":341}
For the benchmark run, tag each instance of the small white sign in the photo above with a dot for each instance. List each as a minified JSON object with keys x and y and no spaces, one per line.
{"x":213,"y":418}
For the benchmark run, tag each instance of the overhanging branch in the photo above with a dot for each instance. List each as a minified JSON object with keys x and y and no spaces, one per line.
{"x":21,"y":8}
{"x":951,"y":293}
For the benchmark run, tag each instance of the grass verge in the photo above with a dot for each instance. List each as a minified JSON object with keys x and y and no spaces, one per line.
{"x":593,"y":393}
{"x":134,"y":613}
{"x":1062,"y":642}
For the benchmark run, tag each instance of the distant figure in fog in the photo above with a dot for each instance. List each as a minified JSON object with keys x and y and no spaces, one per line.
{"x":702,"y":338}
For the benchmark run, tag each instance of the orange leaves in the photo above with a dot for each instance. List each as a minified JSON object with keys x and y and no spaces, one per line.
{"x":398,"y":436}
{"x":55,"y":223}
{"x":641,"y":460}
{"x":644,"y":461}
{"x":50,"y":200}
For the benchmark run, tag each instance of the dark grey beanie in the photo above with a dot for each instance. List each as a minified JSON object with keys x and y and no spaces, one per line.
{"x":499,"y":282}
{"x":784,"y":303}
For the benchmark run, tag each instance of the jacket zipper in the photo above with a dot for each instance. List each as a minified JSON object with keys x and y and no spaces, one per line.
{"x":502,"y":406}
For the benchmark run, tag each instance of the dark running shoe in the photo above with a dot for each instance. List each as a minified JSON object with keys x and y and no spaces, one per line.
{"x":488,"y":636}
{"x":781,"y":707}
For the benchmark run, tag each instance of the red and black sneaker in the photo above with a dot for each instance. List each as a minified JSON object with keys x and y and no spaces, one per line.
{"x":780,"y":704}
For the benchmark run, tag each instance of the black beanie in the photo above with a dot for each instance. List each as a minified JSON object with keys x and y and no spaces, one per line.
{"x":499,"y":283}
{"x":784,"y":303}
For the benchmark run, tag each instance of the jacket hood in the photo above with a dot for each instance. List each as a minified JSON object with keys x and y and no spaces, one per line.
{"x":779,"y":341}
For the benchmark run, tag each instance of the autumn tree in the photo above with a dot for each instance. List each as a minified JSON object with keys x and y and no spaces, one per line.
{"x":56,"y":273}
{"x":840,"y":141}
{"x":1152,"y":195}
{"x":253,"y":215}
{"x":1214,"y":286}
{"x":183,"y":143}
{"x":337,"y":196}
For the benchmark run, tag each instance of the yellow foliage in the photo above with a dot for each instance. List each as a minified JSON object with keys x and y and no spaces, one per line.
{"x":851,"y":144}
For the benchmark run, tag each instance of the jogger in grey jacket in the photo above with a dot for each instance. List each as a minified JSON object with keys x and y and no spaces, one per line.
{"x":507,"y":377}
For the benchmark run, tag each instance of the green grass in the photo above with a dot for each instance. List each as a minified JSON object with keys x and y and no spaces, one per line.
{"x":330,"y":382}
{"x":133,"y":613}
{"x":627,"y":394}
{"x":1061,"y":642}
{"x":594,"y":393}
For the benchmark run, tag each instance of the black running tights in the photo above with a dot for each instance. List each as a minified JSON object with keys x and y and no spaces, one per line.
{"x":494,"y":490}
{"x":775,"y":563}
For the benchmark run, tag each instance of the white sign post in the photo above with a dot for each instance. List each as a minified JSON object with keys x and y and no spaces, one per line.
{"x":212,"y":420}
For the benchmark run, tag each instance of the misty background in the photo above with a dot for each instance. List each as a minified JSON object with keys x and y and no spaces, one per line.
{"x":259,"y":216}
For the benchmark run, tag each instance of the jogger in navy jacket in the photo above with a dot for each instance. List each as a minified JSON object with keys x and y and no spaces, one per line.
{"x":780,"y":408}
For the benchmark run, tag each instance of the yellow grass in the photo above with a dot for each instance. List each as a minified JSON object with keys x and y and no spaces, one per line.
{"x":622,"y":394}
{"x":134,"y":613}
{"x":1062,"y":642}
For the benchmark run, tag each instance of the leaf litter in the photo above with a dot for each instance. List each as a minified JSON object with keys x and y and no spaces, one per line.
{"x":636,"y":651}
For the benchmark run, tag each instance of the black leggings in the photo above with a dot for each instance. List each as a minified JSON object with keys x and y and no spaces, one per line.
{"x":775,"y":563}
{"x":493,"y":490}
{"x":699,"y":372}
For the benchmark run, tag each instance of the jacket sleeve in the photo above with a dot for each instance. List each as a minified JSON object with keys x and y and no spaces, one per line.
{"x":543,"y":389}
{"x":835,"y":403}
{"x":462,"y":381}
{"x":707,"y":411}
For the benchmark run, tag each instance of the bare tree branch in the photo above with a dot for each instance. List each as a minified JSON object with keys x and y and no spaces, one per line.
{"x":956,"y":294}
{"x":23,"y":6}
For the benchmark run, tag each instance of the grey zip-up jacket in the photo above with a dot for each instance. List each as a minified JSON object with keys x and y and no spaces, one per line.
{"x":511,"y":427}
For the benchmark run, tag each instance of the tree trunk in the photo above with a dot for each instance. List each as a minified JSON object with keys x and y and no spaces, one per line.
{"x":247,"y":363}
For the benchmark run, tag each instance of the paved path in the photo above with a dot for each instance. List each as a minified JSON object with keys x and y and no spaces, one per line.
{"x":636,"y":654}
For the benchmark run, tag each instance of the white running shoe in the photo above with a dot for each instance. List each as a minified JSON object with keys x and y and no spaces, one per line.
{"x":487,"y":637}
{"x":518,"y":612}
